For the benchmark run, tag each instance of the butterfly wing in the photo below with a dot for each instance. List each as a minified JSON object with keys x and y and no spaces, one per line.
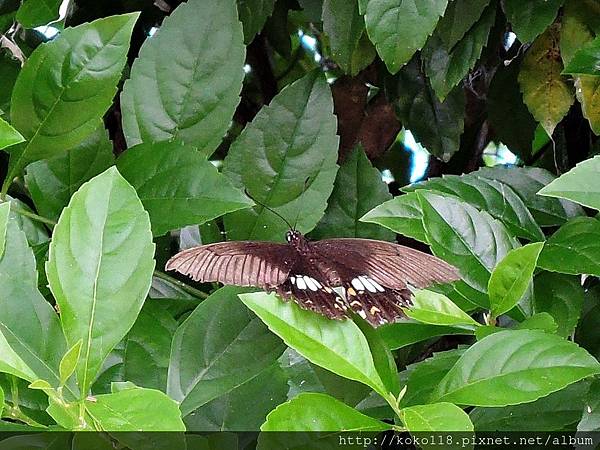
{"x":376,"y":275}
{"x":242,"y":263}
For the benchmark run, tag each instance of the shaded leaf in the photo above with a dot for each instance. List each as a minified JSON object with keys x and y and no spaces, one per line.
{"x":66,"y":86}
{"x":398,"y":335}
{"x":529,"y":19}
{"x":237,"y":347}
{"x":590,"y":420}
{"x":545,"y":92}
{"x":178,"y":186}
{"x":436,"y":125}
{"x":561,"y":296}
{"x":253,"y":14}
{"x":511,"y":277}
{"x":337,"y":346}
{"x":100,"y":267}
{"x":358,"y":188}
{"x":526,"y":182}
{"x":52,"y":182}
{"x":399,"y":28}
{"x":459,"y":17}
{"x":34,"y":13}
{"x":529,"y":364}
{"x":286,"y":159}
{"x":189,"y":94}
{"x":586,"y":60}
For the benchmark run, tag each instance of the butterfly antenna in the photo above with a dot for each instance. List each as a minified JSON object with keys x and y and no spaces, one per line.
{"x":269,"y":209}
{"x":301,"y":195}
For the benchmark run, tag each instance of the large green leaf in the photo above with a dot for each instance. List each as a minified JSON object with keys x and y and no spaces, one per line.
{"x":286,"y":159}
{"x":345,"y":28}
{"x":182,"y":88}
{"x":34,"y":13}
{"x":585,"y":60}
{"x":245,"y":407}
{"x":236,"y":347}
{"x":337,"y":346}
{"x":100,"y":267}
{"x":530,"y":18}
{"x":402,"y":214}
{"x":401,"y":334}
{"x":253,"y":14}
{"x":66,"y":86}
{"x":135,"y":409}
{"x":561,"y":296}
{"x":527,"y":365}
{"x":399,"y":28}
{"x":319,"y":412}
{"x":590,"y":420}
{"x":469,"y":239}
{"x":421,"y":378}
{"x":511,"y":277}
{"x":526,"y":182}
{"x":437,"y":309}
{"x":358,"y":188}
{"x":574,"y":248}
{"x":553,"y":412}
{"x":578,"y":184}
{"x":546,"y":92}
{"x":436,"y":125}
{"x":489,"y":195}
{"x":178,"y":186}
{"x":53,"y":181}
{"x":447,"y":64}
{"x":148,"y":347}
{"x":31,"y":341}
{"x":436,"y":417}
{"x":8,"y":135}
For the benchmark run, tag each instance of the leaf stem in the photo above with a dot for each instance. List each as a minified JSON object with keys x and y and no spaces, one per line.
{"x":180,"y":284}
{"x":29,"y":214}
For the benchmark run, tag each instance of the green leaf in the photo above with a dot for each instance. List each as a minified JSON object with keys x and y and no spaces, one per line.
{"x":402,"y":214}
{"x":253,"y":14}
{"x":469,"y":239}
{"x":578,"y":184}
{"x":8,"y":135}
{"x":178,"y":186}
{"x":573,"y":248}
{"x":189,"y":94}
{"x":31,"y":341}
{"x":587,"y":91}
{"x":237,"y":348}
{"x":245,"y":407}
{"x":136,"y":410}
{"x":436,"y":125}
{"x":561,"y":296}
{"x":546,"y":93}
{"x":511,"y":277}
{"x":539,"y":321}
{"x":528,"y":364}
{"x":590,"y":420}
{"x":80,"y":70}
{"x":100,"y":267}
{"x":398,"y":335}
{"x":526,"y":182}
{"x":553,"y":412}
{"x":437,"y":309}
{"x":35,"y":231}
{"x":357,"y":189}
{"x":68,"y":363}
{"x":529,"y":19}
{"x":436,"y":417}
{"x":148,"y":347}
{"x":337,"y":346}
{"x":586,"y":60}
{"x":319,"y":412}
{"x":489,"y":195}
{"x":422,"y":378}
{"x":286,"y":159}
{"x":447,"y":64}
{"x":345,"y":28}
{"x":34,"y":13}
{"x":4,"y":215}
{"x":399,"y":28}
{"x":53,"y":181}
{"x":459,"y":18}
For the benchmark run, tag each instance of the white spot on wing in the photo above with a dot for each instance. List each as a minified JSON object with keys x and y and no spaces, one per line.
{"x":300,"y":283}
{"x":367,"y":283}
{"x":362,"y":314}
{"x":356,"y":283}
{"x":311,"y":283}
{"x":379,"y":287}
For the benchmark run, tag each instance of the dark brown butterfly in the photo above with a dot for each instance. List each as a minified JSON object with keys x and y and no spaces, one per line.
{"x":375,"y":276}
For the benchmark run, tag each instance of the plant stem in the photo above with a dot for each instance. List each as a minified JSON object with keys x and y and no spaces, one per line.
{"x":180,"y":284}
{"x":29,"y":214}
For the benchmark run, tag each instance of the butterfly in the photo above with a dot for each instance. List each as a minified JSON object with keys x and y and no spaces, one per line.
{"x":375,"y":277}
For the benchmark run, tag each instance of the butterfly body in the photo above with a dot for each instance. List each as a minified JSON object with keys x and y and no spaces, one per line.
{"x":374,"y":277}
